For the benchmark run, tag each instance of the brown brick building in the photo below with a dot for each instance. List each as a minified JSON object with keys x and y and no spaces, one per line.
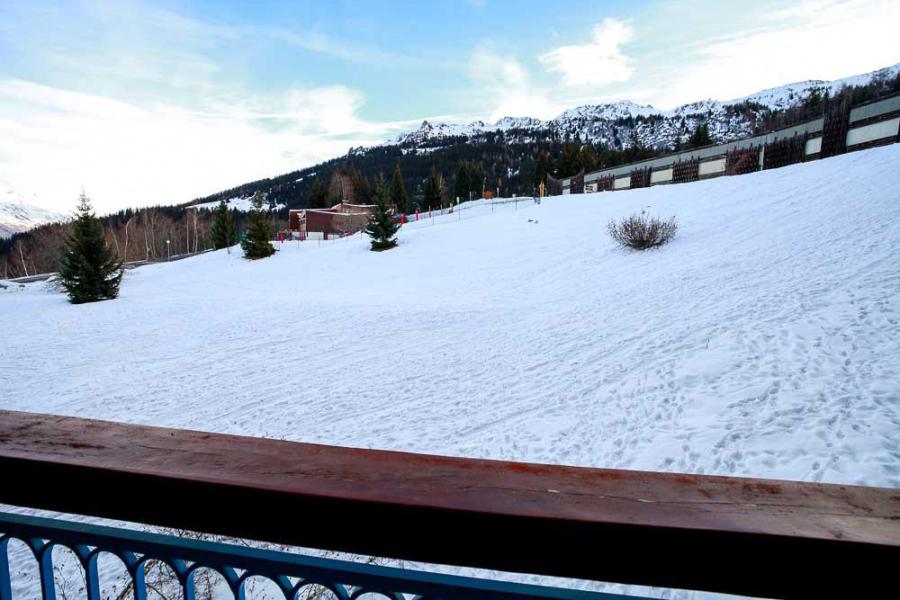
{"x":341,"y":219}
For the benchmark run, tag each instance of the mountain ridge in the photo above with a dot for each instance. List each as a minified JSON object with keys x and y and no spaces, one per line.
{"x":17,"y":215}
{"x":582,"y":120}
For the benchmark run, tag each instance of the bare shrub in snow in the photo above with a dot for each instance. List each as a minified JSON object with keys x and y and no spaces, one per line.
{"x":640,"y":232}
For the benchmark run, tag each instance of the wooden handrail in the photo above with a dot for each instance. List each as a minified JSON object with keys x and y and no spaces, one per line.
{"x":746,"y":536}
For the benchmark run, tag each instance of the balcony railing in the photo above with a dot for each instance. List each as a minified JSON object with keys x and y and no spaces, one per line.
{"x":293,"y":574}
{"x":742,"y":536}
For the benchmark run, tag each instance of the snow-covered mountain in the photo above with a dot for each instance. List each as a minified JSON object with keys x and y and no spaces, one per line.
{"x":622,"y":124}
{"x":792,"y":94}
{"x":18,"y":213}
{"x":239,"y":204}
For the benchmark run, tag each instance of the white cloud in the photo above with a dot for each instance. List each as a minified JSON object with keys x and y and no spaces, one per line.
{"x":53,"y":142}
{"x":508,"y":86}
{"x":490,"y":67}
{"x":146,"y":106}
{"x":596,"y":63}
{"x":812,"y":40}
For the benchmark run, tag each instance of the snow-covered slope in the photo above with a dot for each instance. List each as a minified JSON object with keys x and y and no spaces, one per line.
{"x":17,"y":213}
{"x":604,"y":122}
{"x":761,"y":342}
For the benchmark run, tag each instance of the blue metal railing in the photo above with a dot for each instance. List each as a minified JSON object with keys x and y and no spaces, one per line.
{"x":293,"y":574}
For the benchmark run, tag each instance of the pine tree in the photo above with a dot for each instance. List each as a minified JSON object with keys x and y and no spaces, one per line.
{"x":569,"y":162}
{"x":362,"y":187}
{"x":318,"y":195}
{"x":399,"y":197}
{"x":814,"y":100}
{"x":588,"y":159}
{"x":461,"y":185}
{"x":256,"y":243}
{"x":477,"y":179}
{"x":90,"y":270}
{"x":224,"y":230}
{"x":542,"y":168}
{"x":434,"y":193}
{"x":700,"y":137}
{"x":382,"y":228}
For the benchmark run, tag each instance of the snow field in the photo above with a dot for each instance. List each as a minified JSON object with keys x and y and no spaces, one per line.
{"x":764,"y":341}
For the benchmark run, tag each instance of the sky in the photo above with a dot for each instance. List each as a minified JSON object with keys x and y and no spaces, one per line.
{"x":142,"y":103}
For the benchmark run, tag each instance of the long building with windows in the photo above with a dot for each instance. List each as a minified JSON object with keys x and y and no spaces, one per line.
{"x":842,"y":128}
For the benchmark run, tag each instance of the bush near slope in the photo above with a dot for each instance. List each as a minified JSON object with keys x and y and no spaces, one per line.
{"x":641,"y":232}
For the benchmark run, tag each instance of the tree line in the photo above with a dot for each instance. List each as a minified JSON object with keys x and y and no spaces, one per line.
{"x":154,"y":233}
{"x":90,"y":269}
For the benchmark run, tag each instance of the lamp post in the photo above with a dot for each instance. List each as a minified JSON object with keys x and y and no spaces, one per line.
{"x":168,"y":250}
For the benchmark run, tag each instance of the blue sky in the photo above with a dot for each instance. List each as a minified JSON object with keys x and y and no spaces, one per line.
{"x":146,"y":102}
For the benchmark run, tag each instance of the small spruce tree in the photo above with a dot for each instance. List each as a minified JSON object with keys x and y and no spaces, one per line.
{"x":224,"y":230}
{"x":382,"y":228}
{"x":256,"y":243}
{"x":399,"y":198}
{"x":90,"y":270}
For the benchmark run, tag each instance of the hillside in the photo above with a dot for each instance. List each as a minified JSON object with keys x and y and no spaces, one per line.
{"x":510,"y":150}
{"x":761,"y":342}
